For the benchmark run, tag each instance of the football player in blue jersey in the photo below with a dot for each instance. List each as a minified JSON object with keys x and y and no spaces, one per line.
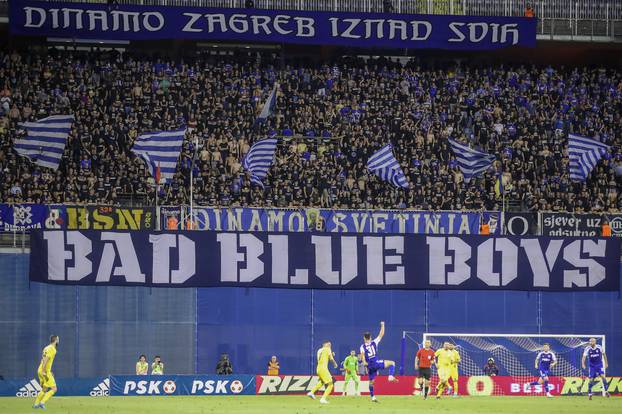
{"x":597,"y":365}
{"x":369,"y":354}
{"x":545,"y":360}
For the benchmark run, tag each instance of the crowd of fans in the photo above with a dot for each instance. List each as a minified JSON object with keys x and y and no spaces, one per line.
{"x":330,"y":118}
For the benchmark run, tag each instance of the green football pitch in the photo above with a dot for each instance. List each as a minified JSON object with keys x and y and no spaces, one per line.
{"x":304,"y":405}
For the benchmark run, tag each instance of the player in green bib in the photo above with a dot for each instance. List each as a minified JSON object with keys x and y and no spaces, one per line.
{"x":350,"y":365}
{"x":157,"y":368}
{"x":142,"y":366}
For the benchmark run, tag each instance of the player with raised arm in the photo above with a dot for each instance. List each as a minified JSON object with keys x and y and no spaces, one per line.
{"x":443,"y":367}
{"x":369,"y":354}
{"x":597,"y":365}
{"x":453,"y":370}
{"x":423,"y":365}
{"x":545,"y":361}
{"x":324,"y":354}
{"x":46,"y":377}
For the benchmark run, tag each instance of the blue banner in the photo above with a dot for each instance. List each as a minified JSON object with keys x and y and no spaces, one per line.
{"x":337,"y":221}
{"x":83,"y":387}
{"x":26,"y":217}
{"x":22,"y":217}
{"x":182,"y":385}
{"x":324,"y":261}
{"x":37,"y":216}
{"x":126,"y":22}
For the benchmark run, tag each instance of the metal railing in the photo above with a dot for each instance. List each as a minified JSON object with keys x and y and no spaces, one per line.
{"x":544,"y":9}
{"x":557,"y":19}
{"x":18,"y":240}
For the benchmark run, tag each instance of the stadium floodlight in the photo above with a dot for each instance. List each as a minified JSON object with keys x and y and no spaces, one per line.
{"x":514,"y":354}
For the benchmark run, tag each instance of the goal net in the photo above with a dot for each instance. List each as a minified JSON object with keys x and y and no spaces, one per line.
{"x":514,"y":356}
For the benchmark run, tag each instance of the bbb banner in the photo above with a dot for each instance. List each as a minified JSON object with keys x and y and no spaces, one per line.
{"x":324,"y":261}
{"x":584,"y":225}
{"x":22,"y":217}
{"x":334,"y":221}
{"x":27,"y":217}
{"x":108,"y":218}
{"x":520,"y":224}
{"x":135,"y":22}
{"x":182,"y":385}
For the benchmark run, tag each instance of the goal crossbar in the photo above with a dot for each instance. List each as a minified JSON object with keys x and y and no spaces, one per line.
{"x":467,"y":335}
{"x":426,"y":334}
{"x":416,"y":336}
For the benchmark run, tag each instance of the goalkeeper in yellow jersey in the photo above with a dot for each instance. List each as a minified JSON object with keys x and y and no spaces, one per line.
{"x":324,"y":354}
{"x":46,"y":377}
{"x":443,"y":366}
{"x":453,"y":371}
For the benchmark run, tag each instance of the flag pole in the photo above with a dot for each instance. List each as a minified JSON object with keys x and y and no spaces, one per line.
{"x":502,"y":194}
{"x":194,"y":153}
{"x":157,"y":179}
{"x":191,"y":193}
{"x":157,"y":209}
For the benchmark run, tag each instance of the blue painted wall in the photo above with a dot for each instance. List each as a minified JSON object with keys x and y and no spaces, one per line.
{"x":104,"y":329}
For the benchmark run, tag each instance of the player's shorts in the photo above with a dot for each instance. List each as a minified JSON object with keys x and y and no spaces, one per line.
{"x":325,"y":376}
{"x":596,"y":371}
{"x":50,"y":382}
{"x":351,"y":376}
{"x":453,"y":373}
{"x":443,"y":373}
{"x":544,"y":373}
{"x":425,"y":373}
{"x":374,"y":367}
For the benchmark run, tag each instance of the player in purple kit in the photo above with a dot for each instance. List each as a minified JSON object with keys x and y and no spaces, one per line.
{"x":597,"y":365}
{"x":369,"y":354}
{"x":544,"y":362}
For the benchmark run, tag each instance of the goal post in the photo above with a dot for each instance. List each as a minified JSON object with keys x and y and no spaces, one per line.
{"x":514,"y":356}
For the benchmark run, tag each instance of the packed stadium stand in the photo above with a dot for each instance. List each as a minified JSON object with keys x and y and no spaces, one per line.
{"x":218,"y":261}
{"x":330,"y":116}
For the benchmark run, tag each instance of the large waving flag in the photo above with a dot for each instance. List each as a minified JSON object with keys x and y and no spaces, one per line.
{"x":259,"y":159}
{"x":470,"y":161}
{"x":161,"y":151}
{"x":268,"y":106}
{"x":45,"y":140}
{"x":384,"y":165}
{"x":583,"y":154}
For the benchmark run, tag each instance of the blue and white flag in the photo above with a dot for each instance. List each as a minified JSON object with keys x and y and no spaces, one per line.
{"x":160,"y":149}
{"x":470,"y":161}
{"x":583,"y":154}
{"x":336,"y":73}
{"x":268,"y":106}
{"x":259,"y":159}
{"x":45,"y":140}
{"x":384,"y":165}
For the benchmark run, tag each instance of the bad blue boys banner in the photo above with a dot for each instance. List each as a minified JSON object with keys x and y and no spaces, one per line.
{"x":323,"y":261}
{"x":124,"y":22}
{"x":182,"y":385}
{"x":338,"y":221}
